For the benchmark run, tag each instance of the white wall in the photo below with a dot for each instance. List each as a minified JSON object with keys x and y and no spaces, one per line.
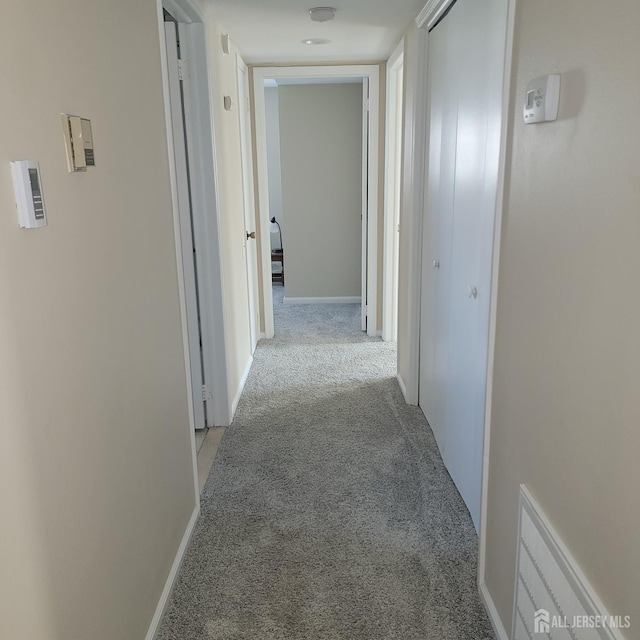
{"x":272,"y":116}
{"x":565,"y":417}
{"x":321,"y":160}
{"x":96,"y":477}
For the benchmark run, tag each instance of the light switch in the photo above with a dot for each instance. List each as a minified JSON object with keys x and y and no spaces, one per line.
{"x":78,"y":139}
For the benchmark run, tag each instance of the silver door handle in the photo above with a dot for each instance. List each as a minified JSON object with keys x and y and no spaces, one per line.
{"x":473,"y":292}
{"x":436,"y":264}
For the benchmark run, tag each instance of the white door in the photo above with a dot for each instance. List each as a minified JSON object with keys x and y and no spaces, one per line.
{"x":466,"y":63}
{"x":176,"y":90}
{"x":365,"y":198}
{"x":436,"y":264}
{"x":251,"y":243}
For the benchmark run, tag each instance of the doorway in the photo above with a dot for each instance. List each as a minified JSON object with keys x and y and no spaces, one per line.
{"x":368,"y":76}
{"x":192,"y":173}
{"x":177,"y":78}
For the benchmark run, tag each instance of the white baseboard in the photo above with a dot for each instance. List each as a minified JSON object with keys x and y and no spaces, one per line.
{"x":490,"y":606}
{"x":173,"y":574}
{"x":403,"y":387}
{"x":334,"y":300}
{"x":240,"y":389}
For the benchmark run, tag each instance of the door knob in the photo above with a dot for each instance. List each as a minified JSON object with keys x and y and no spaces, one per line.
{"x":251,"y":235}
{"x":436,"y":264}
{"x":473,"y":291}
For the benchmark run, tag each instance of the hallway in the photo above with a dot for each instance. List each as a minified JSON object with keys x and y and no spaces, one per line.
{"x":328,"y":513}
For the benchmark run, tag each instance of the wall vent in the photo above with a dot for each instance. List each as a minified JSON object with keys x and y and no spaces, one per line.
{"x":553,"y":598}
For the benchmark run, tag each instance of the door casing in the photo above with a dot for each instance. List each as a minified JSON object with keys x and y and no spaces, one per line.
{"x":372,"y":74}
{"x":202,"y":149}
{"x":250,"y":243}
{"x":393,"y":165}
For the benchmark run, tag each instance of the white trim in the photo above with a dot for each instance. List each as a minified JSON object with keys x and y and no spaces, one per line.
{"x":185,"y":11}
{"x":176,"y":233}
{"x":492,"y":612}
{"x":402,"y":385}
{"x":329,"y":300}
{"x":206,"y":207}
{"x":415,"y":166}
{"x":372,"y":203}
{"x":432,"y":12}
{"x":493,"y":310}
{"x":364,"y":200}
{"x":392,"y":189}
{"x":173,"y":574}
{"x":240,"y":389}
{"x":372,"y":72}
{"x":248,"y":199}
{"x":181,"y":166}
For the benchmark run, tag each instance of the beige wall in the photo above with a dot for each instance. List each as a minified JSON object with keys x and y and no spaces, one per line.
{"x":567,"y":372}
{"x":272,"y":118}
{"x":96,"y":477}
{"x":321,"y":162}
{"x":224,"y":80}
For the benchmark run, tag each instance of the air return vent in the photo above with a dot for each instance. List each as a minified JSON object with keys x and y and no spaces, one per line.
{"x":553,"y":598}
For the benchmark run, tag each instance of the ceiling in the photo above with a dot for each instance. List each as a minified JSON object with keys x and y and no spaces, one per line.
{"x":273,"y":30}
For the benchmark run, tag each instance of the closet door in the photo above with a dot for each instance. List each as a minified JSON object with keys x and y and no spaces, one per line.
{"x":466,"y":62}
{"x":437,"y":230}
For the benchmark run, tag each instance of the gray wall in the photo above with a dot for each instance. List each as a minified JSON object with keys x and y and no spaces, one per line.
{"x":321,"y":162}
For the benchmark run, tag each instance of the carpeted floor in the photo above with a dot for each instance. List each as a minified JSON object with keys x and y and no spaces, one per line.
{"x":328,"y":514}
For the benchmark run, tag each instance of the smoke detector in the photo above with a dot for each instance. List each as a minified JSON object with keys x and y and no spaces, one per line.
{"x":322,"y":14}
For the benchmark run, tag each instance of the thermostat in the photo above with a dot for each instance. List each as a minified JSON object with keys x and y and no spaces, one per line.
{"x":28,"y":189}
{"x":542,"y":99}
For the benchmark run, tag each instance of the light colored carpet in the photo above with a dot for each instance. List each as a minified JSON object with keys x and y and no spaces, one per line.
{"x":328,"y":514}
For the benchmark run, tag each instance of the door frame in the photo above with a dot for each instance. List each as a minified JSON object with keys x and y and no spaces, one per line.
{"x":178,"y":90}
{"x":372,"y":73}
{"x":248,"y":186}
{"x":203,"y":172}
{"x":392,"y":189}
{"x":414,"y":185}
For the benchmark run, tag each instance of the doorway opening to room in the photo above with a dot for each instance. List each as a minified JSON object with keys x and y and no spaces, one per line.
{"x":192,"y":169}
{"x":317,"y":162}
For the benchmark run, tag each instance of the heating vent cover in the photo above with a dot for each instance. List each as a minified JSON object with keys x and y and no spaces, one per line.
{"x":553,"y":598}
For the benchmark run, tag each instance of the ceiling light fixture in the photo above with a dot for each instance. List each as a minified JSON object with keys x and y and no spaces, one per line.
{"x":316,"y":41}
{"x":322,"y":14}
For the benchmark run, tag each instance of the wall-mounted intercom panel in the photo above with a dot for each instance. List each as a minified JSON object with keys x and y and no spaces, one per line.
{"x":78,"y":139}
{"x":27,"y":186}
{"x":542,"y":99}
